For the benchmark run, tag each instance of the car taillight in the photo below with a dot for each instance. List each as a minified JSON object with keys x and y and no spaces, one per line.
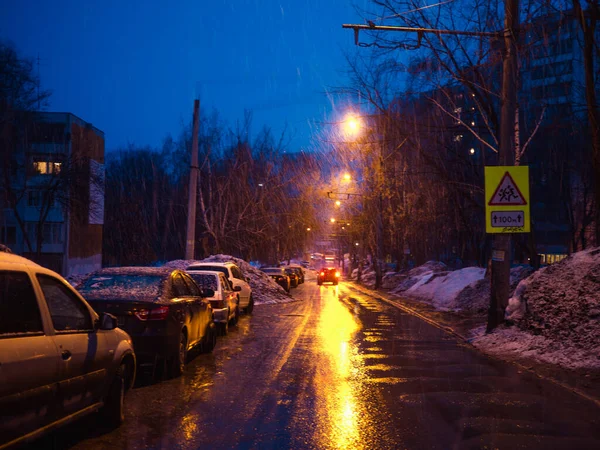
{"x":322,"y":274}
{"x":217,"y":304}
{"x":159,"y":313}
{"x":337,"y":274}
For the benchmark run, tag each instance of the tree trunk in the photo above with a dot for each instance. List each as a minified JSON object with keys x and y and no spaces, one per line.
{"x":588,"y":28}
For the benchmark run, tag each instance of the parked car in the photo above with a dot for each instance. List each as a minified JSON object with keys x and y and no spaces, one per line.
{"x":299,"y":272}
{"x":279,"y":275}
{"x":328,"y":275}
{"x":161,"y":308}
{"x":225,"y":301}
{"x":235,"y":276}
{"x":294,"y":278}
{"x":59,"y":359}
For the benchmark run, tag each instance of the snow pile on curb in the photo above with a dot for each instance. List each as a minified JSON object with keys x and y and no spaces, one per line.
{"x":441,"y":291}
{"x":512,"y":342}
{"x":367,"y":276}
{"x":475,"y":298}
{"x":264,"y":289}
{"x":559,"y":306}
{"x":420,"y":275}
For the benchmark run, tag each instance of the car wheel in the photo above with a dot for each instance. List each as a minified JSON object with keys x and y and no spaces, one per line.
{"x":113,"y":410}
{"x":250,"y":306}
{"x":210,"y":339}
{"x":180,"y":356}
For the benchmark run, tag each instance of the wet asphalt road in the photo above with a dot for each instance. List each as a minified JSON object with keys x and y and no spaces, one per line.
{"x":339,"y":369}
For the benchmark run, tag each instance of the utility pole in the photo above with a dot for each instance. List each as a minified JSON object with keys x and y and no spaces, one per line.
{"x":191,"y":220}
{"x":500,"y":282}
{"x":501,"y":252}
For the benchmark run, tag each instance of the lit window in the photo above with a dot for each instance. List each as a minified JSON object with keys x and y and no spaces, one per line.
{"x":43,"y":166}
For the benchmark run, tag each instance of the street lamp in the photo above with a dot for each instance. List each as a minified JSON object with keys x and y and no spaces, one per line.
{"x":347,"y":177}
{"x":352,"y":124}
{"x":332,"y":220}
{"x":338,"y":203}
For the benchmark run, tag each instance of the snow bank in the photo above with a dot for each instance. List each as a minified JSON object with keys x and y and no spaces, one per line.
{"x":475,"y":298}
{"x":513,"y":342}
{"x":442,"y":290}
{"x":264,"y":289}
{"x":561,"y":304}
{"x":419,"y":275}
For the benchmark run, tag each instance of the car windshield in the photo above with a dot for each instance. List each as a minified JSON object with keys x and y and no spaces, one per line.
{"x":205,"y":280}
{"x":290,"y":271}
{"x":139,"y":287}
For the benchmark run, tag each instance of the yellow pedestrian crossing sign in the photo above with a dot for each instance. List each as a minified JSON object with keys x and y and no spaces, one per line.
{"x":507,"y":199}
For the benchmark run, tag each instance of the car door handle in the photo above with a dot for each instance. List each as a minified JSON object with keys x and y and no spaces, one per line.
{"x":66,"y":355}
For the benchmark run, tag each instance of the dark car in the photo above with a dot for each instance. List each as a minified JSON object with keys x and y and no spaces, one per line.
{"x":294,"y":278}
{"x":300,"y":272}
{"x":328,"y":275}
{"x":279,"y":275}
{"x":162,"y":309}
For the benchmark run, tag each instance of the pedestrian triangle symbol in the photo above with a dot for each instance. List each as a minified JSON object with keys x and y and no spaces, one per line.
{"x":507,"y":193}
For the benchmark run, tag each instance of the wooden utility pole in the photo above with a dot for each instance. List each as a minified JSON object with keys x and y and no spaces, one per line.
{"x":191,"y":220}
{"x":501,"y":251}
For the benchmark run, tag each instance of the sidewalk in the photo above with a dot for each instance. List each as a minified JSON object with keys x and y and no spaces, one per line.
{"x":583,"y":382}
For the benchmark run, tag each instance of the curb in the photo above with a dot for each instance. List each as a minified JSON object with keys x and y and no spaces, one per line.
{"x":465,"y":340}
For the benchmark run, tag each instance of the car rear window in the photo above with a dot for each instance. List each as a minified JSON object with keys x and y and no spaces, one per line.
{"x":205,"y":280}
{"x":136,"y":287}
{"x":272,"y":271}
{"x":211,"y":268}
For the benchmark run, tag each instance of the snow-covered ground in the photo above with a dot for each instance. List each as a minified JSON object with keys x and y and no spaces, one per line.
{"x":556,"y":312}
{"x":264,"y":289}
{"x":553,"y":316}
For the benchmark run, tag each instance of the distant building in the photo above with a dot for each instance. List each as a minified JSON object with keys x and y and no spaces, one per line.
{"x":57,"y":177}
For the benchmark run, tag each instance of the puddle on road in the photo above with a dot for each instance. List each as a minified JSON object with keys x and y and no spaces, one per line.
{"x":387,"y":380}
{"x":382,"y":367}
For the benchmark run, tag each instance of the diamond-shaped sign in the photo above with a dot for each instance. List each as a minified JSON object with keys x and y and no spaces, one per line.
{"x":507,"y":193}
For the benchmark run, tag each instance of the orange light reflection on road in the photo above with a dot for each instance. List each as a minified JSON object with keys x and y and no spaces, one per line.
{"x":339,"y":425}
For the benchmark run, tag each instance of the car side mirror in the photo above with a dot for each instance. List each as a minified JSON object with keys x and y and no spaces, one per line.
{"x":208,"y":293}
{"x":237,"y":288}
{"x":107,"y":321}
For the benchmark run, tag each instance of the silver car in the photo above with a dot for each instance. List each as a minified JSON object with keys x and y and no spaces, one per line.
{"x":59,"y":360}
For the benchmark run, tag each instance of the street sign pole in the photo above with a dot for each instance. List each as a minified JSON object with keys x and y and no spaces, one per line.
{"x":500,"y":282}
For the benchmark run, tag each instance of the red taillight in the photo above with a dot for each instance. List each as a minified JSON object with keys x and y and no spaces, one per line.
{"x":217,"y":304}
{"x":322,"y":274}
{"x":159,"y":313}
{"x":337,"y":274}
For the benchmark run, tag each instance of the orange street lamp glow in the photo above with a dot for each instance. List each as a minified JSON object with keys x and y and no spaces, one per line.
{"x":308,"y":229}
{"x":347,"y":177}
{"x":338,"y":203}
{"x":352,"y":124}
{"x":332,"y":220}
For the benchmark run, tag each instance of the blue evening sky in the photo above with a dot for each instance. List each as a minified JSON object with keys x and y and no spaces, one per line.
{"x":133,"y":68}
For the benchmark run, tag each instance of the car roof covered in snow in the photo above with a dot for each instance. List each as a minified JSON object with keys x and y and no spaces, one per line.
{"x":133,"y":270}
